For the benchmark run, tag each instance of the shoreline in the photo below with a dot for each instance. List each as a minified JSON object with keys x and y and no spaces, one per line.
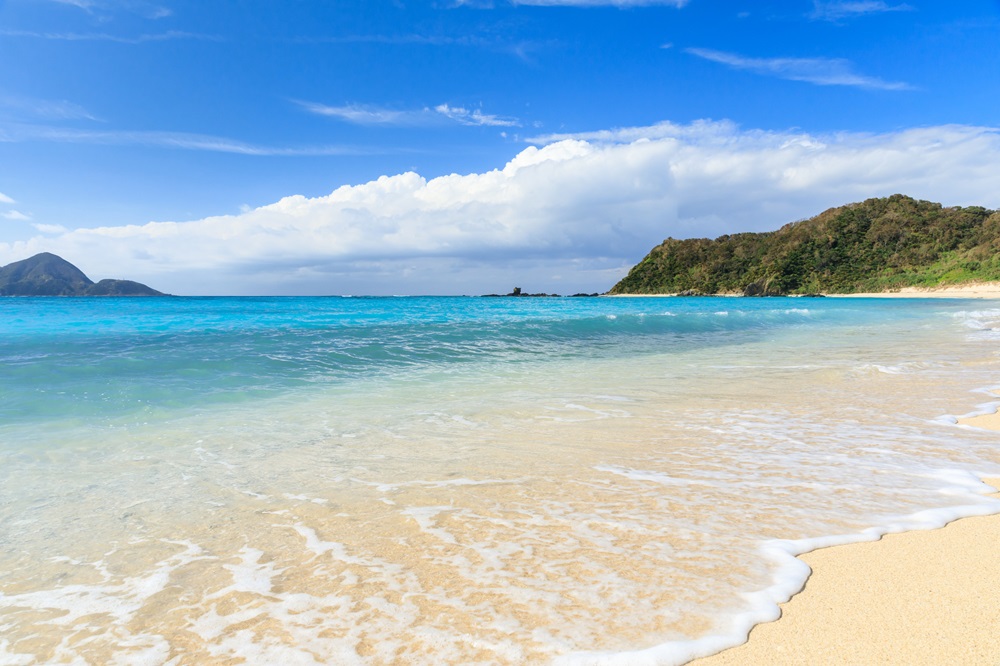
{"x":981,"y":290}
{"x":916,"y":597}
{"x":978,"y":290}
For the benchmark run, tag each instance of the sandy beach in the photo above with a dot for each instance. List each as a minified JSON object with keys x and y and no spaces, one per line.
{"x":983,"y":290}
{"x":924,"y":597}
{"x":979,"y":290}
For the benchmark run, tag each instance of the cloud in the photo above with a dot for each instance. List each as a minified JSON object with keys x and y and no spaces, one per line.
{"x":474,"y":117}
{"x":363,"y":114}
{"x":601,"y":3}
{"x":572,"y":215}
{"x":107,"y":7}
{"x":51,"y":228}
{"x":835,"y":11}
{"x":169,"y":35}
{"x":15,"y":132}
{"x":15,"y":215}
{"x":820,"y":71}
{"x":701,"y":131}
{"x":6,"y":199}
{"x":85,"y":5}
{"x":44,"y":109}
{"x":521,"y":49}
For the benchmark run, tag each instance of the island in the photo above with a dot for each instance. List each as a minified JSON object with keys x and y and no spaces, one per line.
{"x":47,"y":274}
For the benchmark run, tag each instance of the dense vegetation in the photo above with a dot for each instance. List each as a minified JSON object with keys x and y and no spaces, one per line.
{"x":873,"y":246}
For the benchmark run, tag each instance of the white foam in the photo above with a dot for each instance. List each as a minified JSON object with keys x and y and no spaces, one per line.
{"x":655,"y":477}
{"x":116,"y":599}
{"x":789,"y":577}
{"x":250,"y":575}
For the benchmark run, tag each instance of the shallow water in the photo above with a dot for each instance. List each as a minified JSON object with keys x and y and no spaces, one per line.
{"x":460,"y":480}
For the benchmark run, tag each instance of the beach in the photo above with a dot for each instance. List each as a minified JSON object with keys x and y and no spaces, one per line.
{"x":919,"y":598}
{"x":990,"y":290}
{"x":377,"y":481}
{"x":979,"y":290}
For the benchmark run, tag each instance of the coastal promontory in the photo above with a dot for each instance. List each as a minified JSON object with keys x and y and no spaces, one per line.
{"x":47,"y":274}
{"x":877,"y":245}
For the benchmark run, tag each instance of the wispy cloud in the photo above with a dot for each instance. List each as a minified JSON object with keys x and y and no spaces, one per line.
{"x":106,"y":7}
{"x":836,"y":11}
{"x":13,"y":133}
{"x":602,"y":3}
{"x":6,"y":199}
{"x":474,"y":117}
{"x":108,"y":37}
{"x":820,"y":71}
{"x":521,"y":49}
{"x":366,"y":114}
{"x":85,"y":5}
{"x":699,"y":132}
{"x":35,"y":108}
{"x":16,"y":215}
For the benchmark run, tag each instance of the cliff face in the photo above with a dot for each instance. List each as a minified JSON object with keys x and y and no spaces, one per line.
{"x":46,"y":274}
{"x":872,"y":246}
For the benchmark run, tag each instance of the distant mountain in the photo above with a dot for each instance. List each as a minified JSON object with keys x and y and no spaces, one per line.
{"x":873,"y":246}
{"x":46,"y":274}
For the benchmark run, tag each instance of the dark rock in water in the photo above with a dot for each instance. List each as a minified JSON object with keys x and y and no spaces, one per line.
{"x":46,"y":274}
{"x":517,"y":293}
{"x":690,"y":292}
{"x":582,"y":295}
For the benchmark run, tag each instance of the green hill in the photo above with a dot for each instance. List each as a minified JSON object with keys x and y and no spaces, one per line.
{"x":46,"y":274}
{"x":873,"y":246}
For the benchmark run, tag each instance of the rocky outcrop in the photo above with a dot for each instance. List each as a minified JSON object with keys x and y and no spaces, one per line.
{"x":762,"y":288}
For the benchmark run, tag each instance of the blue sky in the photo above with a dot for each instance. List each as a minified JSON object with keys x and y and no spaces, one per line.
{"x":469,"y":146}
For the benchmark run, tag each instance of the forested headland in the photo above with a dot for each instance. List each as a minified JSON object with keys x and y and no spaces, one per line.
{"x":874,"y":246}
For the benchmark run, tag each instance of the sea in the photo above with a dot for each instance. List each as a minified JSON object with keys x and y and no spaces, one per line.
{"x":460,"y":480}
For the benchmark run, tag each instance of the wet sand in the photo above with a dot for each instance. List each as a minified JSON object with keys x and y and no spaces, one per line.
{"x":917,"y":598}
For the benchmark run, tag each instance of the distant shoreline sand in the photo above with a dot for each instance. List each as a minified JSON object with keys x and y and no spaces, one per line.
{"x":917,"y":598}
{"x":977,"y":290}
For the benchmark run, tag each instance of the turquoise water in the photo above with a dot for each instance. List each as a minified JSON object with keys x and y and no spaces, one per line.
{"x":108,"y":359}
{"x":461,"y":480}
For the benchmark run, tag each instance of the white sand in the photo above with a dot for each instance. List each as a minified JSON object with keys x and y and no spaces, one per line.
{"x":978,"y":290}
{"x":918,"y":598}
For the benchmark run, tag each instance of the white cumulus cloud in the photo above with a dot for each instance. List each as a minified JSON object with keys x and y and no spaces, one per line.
{"x":570,"y":214}
{"x":51,"y":228}
{"x":5,"y":199}
{"x":16,"y":215}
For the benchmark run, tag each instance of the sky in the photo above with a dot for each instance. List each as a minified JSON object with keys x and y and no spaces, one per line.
{"x":470,"y":146}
